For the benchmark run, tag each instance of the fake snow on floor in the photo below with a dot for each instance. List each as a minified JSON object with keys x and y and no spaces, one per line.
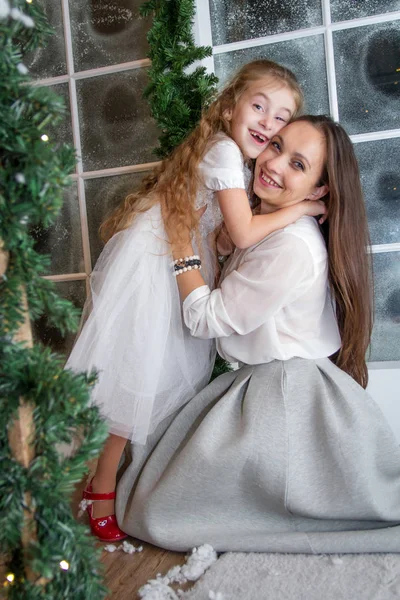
{"x":196,"y":564}
{"x":125,"y":547}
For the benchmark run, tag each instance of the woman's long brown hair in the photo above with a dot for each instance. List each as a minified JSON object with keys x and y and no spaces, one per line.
{"x":174,"y":183}
{"x":347,"y":239}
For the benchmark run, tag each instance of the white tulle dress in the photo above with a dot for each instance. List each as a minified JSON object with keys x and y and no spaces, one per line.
{"x":134,"y":336}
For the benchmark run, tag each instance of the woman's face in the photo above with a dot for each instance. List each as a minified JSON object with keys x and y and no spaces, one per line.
{"x":289,"y":169}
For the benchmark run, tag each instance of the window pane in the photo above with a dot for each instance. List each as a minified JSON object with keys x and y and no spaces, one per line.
{"x":305,"y":57}
{"x":343,"y":9}
{"x":116,"y":126}
{"x":236,"y":20}
{"x":50,"y":336}
{"x":49,"y":61}
{"x":368,"y":78}
{"x":385,"y":343}
{"x":63,"y":240}
{"x":380,"y":178}
{"x":107,"y":32}
{"x":102,"y":195}
{"x":62,"y":132}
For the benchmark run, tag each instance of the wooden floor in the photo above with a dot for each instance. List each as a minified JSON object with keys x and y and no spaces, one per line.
{"x":126,"y":573}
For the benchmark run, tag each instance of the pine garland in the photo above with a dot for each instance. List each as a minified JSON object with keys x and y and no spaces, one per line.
{"x":61,"y":560}
{"x":176,"y":96}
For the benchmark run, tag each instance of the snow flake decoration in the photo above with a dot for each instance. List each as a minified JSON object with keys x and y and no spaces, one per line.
{"x":197,"y":563}
{"x":18,"y":15}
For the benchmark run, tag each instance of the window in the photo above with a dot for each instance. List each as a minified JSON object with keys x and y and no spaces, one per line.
{"x":97,"y":62}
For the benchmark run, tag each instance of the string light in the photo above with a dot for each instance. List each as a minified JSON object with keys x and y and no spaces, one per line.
{"x":29,"y":1}
{"x":64,"y":565}
{"x":44,"y":137}
{"x":10,"y":577}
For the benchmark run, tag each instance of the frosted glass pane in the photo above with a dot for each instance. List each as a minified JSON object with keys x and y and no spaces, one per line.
{"x":235,"y":20}
{"x":379,"y":165}
{"x":305,"y":57}
{"x":102,"y":195}
{"x":62,"y":132}
{"x":343,"y":9}
{"x":368,"y":79}
{"x":116,"y":126}
{"x":107,"y":32}
{"x":49,"y":61}
{"x":385,"y":343}
{"x":50,"y":336}
{"x":63,"y":240}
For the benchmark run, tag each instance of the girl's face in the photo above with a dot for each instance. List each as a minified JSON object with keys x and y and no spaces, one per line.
{"x":289,"y":170}
{"x":263,"y":109}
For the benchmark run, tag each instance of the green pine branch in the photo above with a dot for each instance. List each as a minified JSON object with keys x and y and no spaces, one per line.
{"x":176,"y":96}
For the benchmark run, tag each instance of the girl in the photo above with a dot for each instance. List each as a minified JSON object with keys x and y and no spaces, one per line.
{"x":289,"y":453}
{"x":148,"y":363}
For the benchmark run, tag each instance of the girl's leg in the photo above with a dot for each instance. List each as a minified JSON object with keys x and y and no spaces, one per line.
{"x":105,"y":478}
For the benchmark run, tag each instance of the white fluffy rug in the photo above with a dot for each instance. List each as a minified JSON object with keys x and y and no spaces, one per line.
{"x":238,"y":576}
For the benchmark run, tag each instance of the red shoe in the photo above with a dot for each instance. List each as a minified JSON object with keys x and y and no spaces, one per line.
{"x":104,"y":528}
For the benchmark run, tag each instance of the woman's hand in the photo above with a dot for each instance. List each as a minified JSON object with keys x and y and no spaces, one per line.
{"x":314,"y":208}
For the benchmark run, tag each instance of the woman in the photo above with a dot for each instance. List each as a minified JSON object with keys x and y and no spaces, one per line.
{"x":289,"y":453}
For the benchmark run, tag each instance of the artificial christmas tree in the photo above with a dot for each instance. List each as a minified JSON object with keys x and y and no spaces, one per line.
{"x":47,"y":554}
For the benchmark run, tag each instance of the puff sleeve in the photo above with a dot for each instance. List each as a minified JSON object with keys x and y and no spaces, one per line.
{"x":222,"y":166}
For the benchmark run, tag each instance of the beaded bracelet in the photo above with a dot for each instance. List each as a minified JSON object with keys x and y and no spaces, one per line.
{"x":182,"y":265}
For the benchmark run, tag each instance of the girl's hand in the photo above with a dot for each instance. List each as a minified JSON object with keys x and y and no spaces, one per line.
{"x":314,"y":208}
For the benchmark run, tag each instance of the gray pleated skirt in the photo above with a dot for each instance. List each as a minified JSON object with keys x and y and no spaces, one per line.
{"x":289,"y":456}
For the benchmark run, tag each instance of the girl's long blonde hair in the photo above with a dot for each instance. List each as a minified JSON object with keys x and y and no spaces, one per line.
{"x":347,"y":240}
{"x":174,"y":183}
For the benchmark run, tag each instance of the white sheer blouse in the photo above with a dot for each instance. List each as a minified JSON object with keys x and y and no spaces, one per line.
{"x":273,"y":301}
